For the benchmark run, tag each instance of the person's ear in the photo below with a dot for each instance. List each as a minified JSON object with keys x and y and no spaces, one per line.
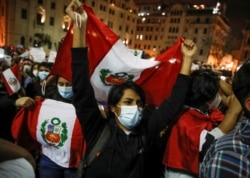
{"x":247,"y":104}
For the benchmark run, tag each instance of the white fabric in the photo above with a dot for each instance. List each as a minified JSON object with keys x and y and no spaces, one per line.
{"x":16,"y":168}
{"x":216,"y":132}
{"x":118,"y":59}
{"x":56,"y":119}
{"x":174,"y":174}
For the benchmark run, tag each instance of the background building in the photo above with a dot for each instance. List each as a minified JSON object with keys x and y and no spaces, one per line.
{"x":152,"y":27}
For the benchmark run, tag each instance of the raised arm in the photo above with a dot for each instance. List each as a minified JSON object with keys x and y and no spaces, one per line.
{"x":171,"y":106}
{"x":84,"y":98}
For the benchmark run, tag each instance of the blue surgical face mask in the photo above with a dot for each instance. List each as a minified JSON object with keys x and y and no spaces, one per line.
{"x":65,"y":92}
{"x":42,"y":75}
{"x":130,"y":116}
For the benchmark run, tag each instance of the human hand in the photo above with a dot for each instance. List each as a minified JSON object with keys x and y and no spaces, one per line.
{"x":188,"y":48}
{"x":25,"y":102}
{"x":76,"y":13}
{"x":232,"y":115}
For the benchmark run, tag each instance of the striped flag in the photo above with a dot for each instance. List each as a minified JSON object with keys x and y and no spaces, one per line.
{"x":53,"y":125}
{"x":12,"y":79}
{"x":111,"y":63}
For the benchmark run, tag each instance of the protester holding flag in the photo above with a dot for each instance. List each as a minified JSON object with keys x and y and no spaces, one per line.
{"x":52,"y":123}
{"x":125,"y":153}
{"x":10,"y":85}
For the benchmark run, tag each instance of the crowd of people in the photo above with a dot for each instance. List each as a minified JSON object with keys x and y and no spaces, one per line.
{"x":200,"y":130}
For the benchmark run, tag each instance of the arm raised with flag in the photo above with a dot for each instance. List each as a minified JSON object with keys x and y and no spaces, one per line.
{"x":125,"y":152}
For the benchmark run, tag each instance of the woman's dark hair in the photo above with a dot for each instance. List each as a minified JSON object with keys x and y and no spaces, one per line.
{"x":241,"y":82}
{"x":203,"y":88}
{"x":117,"y":91}
{"x":44,"y":64}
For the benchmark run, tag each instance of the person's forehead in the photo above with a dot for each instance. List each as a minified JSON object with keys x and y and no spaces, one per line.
{"x":130,"y":94}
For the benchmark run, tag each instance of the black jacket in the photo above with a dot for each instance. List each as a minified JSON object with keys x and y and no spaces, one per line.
{"x":125,"y":156}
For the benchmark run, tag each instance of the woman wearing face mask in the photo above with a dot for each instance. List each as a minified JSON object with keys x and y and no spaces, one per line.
{"x":198,"y":126}
{"x":34,"y":71}
{"x":126,"y":152}
{"x":63,"y":145}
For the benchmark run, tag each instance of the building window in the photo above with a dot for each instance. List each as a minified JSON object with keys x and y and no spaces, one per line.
{"x":126,"y":28}
{"x":22,"y":41}
{"x":110,"y":24}
{"x":201,"y":52}
{"x":39,"y":19}
{"x":196,"y":30}
{"x":205,"y":31}
{"x":51,"y":21}
{"x":198,"y":20}
{"x":24,"y":14}
{"x":53,"y":5}
{"x":93,"y":4}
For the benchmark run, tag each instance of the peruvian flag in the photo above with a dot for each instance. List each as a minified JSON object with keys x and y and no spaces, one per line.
{"x":11,"y":78}
{"x":112,"y":63}
{"x":54,"y":126}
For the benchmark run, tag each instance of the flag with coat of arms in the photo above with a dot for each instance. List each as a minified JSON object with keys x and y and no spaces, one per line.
{"x":12,"y":79}
{"x":54,"y":126}
{"x":111,"y":62}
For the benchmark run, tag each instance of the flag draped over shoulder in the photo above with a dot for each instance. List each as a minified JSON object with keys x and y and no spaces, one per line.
{"x":53,"y":125}
{"x":111,"y":63}
{"x":12,"y":79}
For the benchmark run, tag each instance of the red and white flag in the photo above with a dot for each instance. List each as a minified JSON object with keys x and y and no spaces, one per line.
{"x":12,"y":79}
{"x":54,"y":126}
{"x":111,"y":63}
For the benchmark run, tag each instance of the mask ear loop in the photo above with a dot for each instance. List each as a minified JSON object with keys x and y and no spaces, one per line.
{"x":43,"y":87}
{"x":78,"y":20}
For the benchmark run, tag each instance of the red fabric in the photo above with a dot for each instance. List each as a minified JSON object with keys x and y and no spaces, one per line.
{"x":182,"y":149}
{"x":16,"y":71}
{"x":100,"y":38}
{"x":24,"y":126}
{"x":158,"y":82}
{"x":62,"y":65}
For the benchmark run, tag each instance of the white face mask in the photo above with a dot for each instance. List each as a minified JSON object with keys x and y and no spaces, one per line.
{"x":216,"y":102}
{"x":130,"y":116}
{"x":26,"y":68}
{"x":35,"y":72}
